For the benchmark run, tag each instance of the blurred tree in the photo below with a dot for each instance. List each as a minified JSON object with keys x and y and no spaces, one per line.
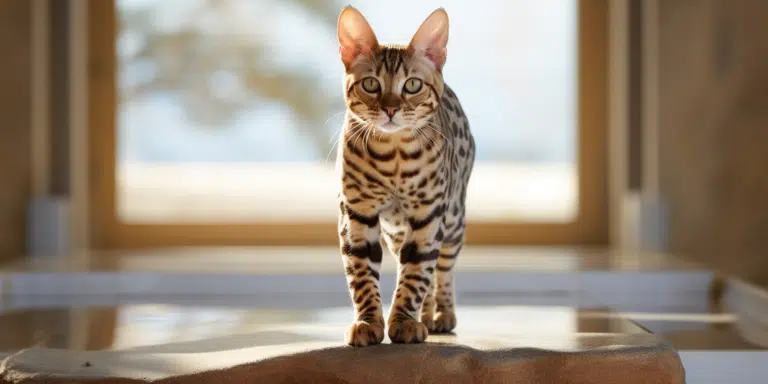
{"x":213,"y":56}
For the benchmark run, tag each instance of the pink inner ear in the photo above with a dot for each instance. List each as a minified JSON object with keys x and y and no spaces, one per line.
{"x":436,"y":58}
{"x":349,"y":54}
{"x":432,"y":46}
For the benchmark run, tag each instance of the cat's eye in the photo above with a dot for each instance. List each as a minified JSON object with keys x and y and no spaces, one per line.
{"x":370,"y":85}
{"x":412,"y":85}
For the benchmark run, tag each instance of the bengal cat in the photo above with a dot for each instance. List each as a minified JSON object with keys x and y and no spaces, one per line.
{"x":405,"y":159}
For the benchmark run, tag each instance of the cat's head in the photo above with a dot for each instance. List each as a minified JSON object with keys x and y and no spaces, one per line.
{"x":392,"y":87}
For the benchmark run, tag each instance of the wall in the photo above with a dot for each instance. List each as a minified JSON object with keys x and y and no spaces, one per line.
{"x":714,"y":131}
{"x":14,"y":125}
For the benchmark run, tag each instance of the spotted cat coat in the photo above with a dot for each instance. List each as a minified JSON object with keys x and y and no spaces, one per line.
{"x":405,"y":158}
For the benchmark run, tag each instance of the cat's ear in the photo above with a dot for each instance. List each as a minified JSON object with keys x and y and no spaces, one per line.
{"x":431,"y":38}
{"x":355,"y":35}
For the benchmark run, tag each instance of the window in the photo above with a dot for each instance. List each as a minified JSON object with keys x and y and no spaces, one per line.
{"x":214,"y":120}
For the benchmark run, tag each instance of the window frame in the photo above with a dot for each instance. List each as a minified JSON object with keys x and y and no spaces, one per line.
{"x":590,"y":227}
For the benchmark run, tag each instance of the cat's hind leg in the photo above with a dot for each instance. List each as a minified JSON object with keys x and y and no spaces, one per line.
{"x":428,"y":308}
{"x":444,"y":319}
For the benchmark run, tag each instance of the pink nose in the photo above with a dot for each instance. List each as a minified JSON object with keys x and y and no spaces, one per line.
{"x":390,"y":111}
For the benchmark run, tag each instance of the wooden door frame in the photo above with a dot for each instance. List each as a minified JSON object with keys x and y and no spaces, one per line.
{"x":589,"y":228}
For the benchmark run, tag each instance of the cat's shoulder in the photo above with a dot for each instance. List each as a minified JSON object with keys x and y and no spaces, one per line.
{"x":448,"y":92}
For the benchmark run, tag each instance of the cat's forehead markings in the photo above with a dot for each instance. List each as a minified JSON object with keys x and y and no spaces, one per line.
{"x":399,"y":63}
{"x":380,"y":71}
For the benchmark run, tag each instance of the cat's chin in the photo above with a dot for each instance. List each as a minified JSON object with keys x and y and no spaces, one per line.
{"x":390,"y":127}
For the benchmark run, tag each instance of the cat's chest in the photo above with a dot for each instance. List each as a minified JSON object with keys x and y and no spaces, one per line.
{"x":394,"y":170}
{"x":404,"y":163}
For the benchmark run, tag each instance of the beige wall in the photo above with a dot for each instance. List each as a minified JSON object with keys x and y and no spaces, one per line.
{"x":14,"y":124}
{"x":714,"y":131}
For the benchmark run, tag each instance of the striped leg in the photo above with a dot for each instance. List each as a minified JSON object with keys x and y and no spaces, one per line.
{"x":417,"y":259}
{"x":445,"y":314}
{"x":361,"y":252}
{"x":428,"y":309}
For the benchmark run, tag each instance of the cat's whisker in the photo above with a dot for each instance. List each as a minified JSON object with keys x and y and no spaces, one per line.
{"x":357,"y":129}
{"x":335,"y":138}
{"x":333,"y":146}
{"x":421,"y":137}
{"x":427,"y":136}
{"x":363,"y":133}
{"x":360,"y":131}
{"x":335,"y":115}
{"x":435,"y":128}
{"x":366,"y":140}
{"x":337,"y":143}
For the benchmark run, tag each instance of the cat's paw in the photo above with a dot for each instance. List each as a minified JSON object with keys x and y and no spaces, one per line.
{"x":428,"y":320}
{"x":363,"y":334}
{"x":444,"y":322}
{"x":408,"y":332}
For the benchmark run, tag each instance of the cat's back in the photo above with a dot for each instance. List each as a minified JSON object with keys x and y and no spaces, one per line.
{"x":456,"y":122}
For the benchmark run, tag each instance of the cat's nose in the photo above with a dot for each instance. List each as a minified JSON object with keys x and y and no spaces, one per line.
{"x":390,"y":111}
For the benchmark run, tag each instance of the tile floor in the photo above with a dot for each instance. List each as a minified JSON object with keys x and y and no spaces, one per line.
{"x":184,"y":300}
{"x":183,"y":329}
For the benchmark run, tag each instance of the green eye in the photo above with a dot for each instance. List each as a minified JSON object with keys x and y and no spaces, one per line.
{"x":412,"y":85}
{"x":370,"y":85}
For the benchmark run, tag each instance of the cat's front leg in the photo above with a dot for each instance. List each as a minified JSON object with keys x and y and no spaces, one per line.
{"x":417,"y":260}
{"x":361,"y":251}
